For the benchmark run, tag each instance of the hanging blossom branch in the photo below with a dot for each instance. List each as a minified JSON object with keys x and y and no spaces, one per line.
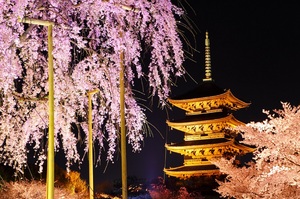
{"x":86,"y":57}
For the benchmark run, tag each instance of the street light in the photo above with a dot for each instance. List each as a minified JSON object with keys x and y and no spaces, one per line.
{"x":90,"y":143}
{"x":50,"y":157}
{"x":123,"y":131}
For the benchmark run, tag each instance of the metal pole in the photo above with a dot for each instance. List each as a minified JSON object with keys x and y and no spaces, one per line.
{"x":123,"y":132}
{"x":122,"y":114}
{"x":91,"y":164}
{"x":50,"y":156}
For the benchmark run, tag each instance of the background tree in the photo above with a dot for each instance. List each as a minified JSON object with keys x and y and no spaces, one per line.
{"x":274,"y":171}
{"x":88,"y":39}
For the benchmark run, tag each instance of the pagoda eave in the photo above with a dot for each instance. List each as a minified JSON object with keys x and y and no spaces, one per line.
{"x":209,"y":102}
{"x":185,"y":149}
{"x":229,"y":119}
{"x":184,"y":172}
{"x":191,"y":146}
{"x":244,"y":148}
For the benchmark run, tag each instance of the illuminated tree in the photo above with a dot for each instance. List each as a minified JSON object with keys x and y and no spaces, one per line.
{"x":88,"y":39}
{"x":274,"y":172}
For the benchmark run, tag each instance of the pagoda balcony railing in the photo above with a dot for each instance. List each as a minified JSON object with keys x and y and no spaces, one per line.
{"x":190,"y":162}
{"x":203,"y":136}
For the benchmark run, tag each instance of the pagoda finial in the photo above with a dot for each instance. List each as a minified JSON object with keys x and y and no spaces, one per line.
{"x":207,"y":59}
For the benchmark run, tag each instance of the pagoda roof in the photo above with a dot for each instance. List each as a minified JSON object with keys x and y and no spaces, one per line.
{"x":205,"y":118}
{"x":194,"y":167}
{"x":208,"y":143}
{"x":194,"y":143}
{"x":195,"y":170}
{"x":208,"y":92}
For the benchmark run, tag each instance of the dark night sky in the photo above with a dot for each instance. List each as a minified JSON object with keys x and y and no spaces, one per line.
{"x":255,"y":53}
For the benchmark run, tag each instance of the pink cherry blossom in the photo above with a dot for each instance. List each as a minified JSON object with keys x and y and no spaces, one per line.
{"x":274,"y":171}
{"x":88,"y":39}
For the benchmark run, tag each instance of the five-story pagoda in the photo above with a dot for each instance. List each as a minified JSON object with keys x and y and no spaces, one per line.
{"x":206,"y":127}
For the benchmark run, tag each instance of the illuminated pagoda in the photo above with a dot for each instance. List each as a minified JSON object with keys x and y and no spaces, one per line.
{"x":206,"y":126}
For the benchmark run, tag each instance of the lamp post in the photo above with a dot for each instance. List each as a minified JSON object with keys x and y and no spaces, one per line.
{"x":50,"y":156}
{"x":123,"y":131}
{"x":91,"y":168}
{"x":122,"y":115}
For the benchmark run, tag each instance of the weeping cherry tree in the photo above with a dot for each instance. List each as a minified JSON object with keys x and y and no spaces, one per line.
{"x":88,"y":37}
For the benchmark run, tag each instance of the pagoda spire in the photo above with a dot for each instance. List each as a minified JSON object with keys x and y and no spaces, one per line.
{"x":207,"y":59}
